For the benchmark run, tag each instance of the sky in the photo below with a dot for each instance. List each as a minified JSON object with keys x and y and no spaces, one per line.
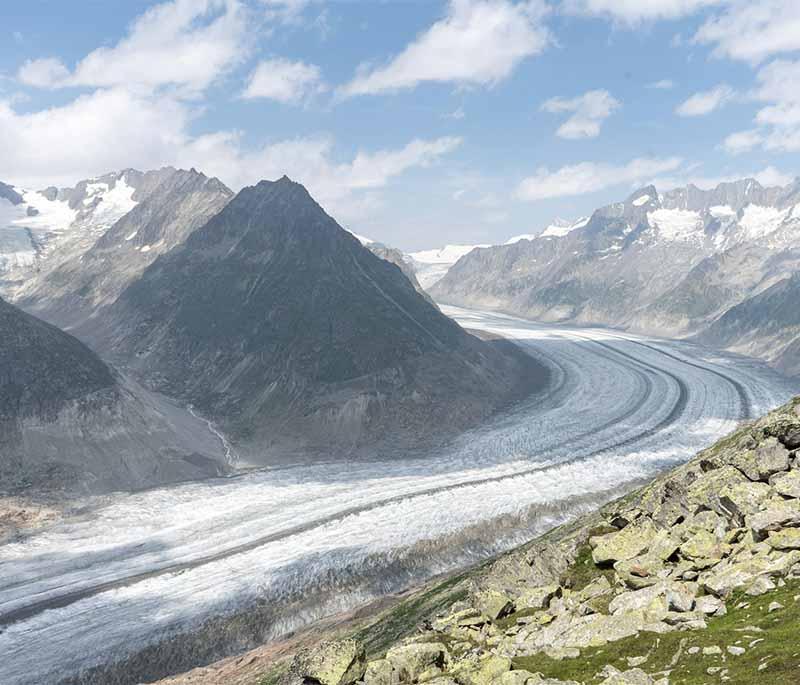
{"x":413,"y":122}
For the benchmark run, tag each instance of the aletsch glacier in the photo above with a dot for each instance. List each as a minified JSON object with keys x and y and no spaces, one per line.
{"x":312,"y":539}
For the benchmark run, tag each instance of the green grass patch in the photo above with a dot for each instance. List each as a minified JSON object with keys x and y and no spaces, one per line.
{"x":778,"y":654}
{"x":402,"y":620}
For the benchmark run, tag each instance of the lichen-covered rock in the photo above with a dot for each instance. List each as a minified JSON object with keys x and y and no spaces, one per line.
{"x":493,"y":604}
{"x":768,"y":458}
{"x":380,"y":672}
{"x":776,"y":515}
{"x":341,"y":662}
{"x":537,"y":597}
{"x":628,"y":543}
{"x":481,"y":671}
{"x":787,"y":484}
{"x":412,"y":660}
{"x":789,"y":538}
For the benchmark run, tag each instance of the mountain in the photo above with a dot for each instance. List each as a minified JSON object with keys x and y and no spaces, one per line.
{"x":34,"y":225}
{"x":559,"y":228}
{"x":431,"y":265}
{"x":765,"y":325}
{"x":281,"y":327}
{"x":668,"y":263}
{"x":68,"y":421}
{"x":73,"y":284}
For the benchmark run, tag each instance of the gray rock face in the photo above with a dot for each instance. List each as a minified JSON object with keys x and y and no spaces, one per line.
{"x":74,"y":285}
{"x":766,"y":325}
{"x":68,"y":421}
{"x":669,"y":263}
{"x":7,"y":192}
{"x":283,"y":328}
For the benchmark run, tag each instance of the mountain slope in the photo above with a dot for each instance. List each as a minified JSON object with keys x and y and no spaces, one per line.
{"x":669,"y":263}
{"x":67,"y":421}
{"x":38,"y":225}
{"x":766,"y":325}
{"x":282,"y":327}
{"x":171,"y":204}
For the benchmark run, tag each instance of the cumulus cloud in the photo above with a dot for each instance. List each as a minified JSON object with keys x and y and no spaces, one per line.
{"x":777,"y":123}
{"x":588,"y":113}
{"x":753,"y":31}
{"x":663,"y":84}
{"x":42,"y":73}
{"x":637,"y":11}
{"x":706,"y":102}
{"x":478,"y":42}
{"x":183,"y":43}
{"x":589,"y":177}
{"x":115,"y":128}
{"x":285,"y":81}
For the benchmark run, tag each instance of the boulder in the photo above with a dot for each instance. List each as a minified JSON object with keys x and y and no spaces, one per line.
{"x":380,"y":672}
{"x":738,"y":500}
{"x":486,"y":671}
{"x":493,"y":604}
{"x":640,"y":572}
{"x":776,"y":515}
{"x":788,"y":538}
{"x":412,"y":661}
{"x":537,"y":597}
{"x":340,"y":662}
{"x":704,"y":546}
{"x":787,"y":484}
{"x":768,"y":458}
{"x":709,"y":605}
{"x":518,"y":678}
{"x":628,"y":543}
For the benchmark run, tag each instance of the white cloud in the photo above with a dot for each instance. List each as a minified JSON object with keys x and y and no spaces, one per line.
{"x":588,"y":113}
{"x":284,"y":81}
{"x":589,"y":177}
{"x":706,"y":101}
{"x":43,"y":73}
{"x":663,"y":84}
{"x":777,"y":123}
{"x":753,"y":31}
{"x":115,"y":128}
{"x":478,"y":42}
{"x":345,"y":188}
{"x":742,"y":141}
{"x":637,"y":11}
{"x":183,"y":43}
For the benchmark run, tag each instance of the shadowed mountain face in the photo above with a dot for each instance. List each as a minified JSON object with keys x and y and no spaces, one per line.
{"x":281,"y":326}
{"x":171,"y":204}
{"x":766,"y":325}
{"x":67,"y":421}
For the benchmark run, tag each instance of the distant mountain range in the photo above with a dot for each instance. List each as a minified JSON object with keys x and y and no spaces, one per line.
{"x":673,"y":264}
{"x":256,"y":311}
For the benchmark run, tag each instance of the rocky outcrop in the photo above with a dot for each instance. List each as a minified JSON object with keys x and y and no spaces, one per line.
{"x":667,"y":559}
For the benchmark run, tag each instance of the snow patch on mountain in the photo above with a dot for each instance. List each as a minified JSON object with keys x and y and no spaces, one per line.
{"x":758,"y":222}
{"x":677,"y":224}
{"x":642,"y":200}
{"x":558,"y":229}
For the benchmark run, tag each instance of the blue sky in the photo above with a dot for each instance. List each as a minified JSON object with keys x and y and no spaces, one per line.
{"x":415,"y":123}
